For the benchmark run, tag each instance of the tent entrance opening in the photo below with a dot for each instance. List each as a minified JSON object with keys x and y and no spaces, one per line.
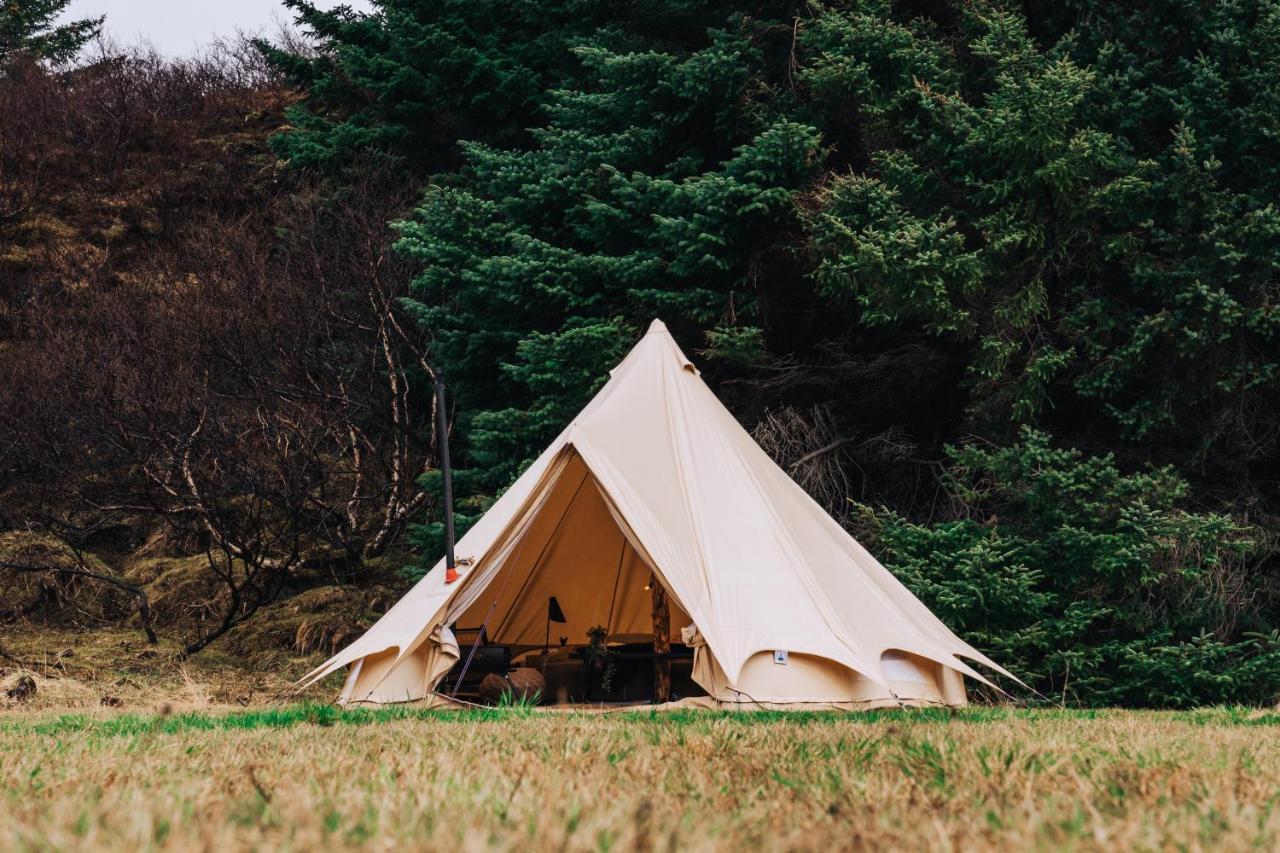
{"x":574,"y":601}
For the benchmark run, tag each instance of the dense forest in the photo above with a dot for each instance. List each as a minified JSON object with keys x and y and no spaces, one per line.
{"x":997,"y":283}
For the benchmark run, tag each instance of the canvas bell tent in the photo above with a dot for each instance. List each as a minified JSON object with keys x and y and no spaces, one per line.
{"x":656,"y":483}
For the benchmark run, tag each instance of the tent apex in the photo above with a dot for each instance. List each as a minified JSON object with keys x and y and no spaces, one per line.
{"x":657,"y":326}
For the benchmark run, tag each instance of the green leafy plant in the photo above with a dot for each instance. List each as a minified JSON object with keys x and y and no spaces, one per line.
{"x":600,"y":657}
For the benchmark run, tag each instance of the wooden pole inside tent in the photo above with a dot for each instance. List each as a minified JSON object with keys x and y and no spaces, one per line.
{"x":661,"y":643}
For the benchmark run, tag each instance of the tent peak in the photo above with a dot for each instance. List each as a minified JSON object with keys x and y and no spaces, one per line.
{"x":663,"y":343}
{"x":657,"y":327}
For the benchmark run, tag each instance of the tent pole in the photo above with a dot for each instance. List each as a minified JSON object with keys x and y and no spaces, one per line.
{"x":661,"y":643}
{"x":442,"y":442}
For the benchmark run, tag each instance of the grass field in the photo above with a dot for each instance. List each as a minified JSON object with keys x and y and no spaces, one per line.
{"x":303,"y":777}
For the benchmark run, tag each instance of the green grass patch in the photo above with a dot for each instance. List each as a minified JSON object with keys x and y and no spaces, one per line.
{"x":320,"y":714}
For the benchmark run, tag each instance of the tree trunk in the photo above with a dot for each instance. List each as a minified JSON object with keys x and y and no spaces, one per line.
{"x":661,"y":644}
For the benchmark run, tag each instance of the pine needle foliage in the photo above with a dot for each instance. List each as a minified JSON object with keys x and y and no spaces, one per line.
{"x":1093,"y":585}
{"x":945,"y":222}
{"x":30,"y":28}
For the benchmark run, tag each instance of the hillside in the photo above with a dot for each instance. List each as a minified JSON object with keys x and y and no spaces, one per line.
{"x":130,"y":190}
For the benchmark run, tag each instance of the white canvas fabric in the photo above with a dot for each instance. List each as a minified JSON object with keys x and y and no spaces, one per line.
{"x":655,"y":481}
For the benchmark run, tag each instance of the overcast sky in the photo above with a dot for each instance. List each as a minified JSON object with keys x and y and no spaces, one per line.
{"x":179,"y":27}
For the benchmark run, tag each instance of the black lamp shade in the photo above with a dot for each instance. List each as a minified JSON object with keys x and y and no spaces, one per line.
{"x":554,"y":613}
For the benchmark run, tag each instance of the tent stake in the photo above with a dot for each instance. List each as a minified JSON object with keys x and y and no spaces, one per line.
{"x":442,"y":439}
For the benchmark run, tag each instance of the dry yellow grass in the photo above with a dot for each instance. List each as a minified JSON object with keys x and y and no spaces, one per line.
{"x":79,"y":670}
{"x":518,"y":780}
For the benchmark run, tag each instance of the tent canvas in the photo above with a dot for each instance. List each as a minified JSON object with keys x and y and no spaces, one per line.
{"x":656,"y":481}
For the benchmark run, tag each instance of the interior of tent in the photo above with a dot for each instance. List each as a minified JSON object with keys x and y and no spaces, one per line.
{"x":574,"y":564}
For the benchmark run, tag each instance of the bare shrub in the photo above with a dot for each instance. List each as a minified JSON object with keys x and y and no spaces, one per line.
{"x":199,"y":341}
{"x":811,"y":448}
{"x":808,"y":446}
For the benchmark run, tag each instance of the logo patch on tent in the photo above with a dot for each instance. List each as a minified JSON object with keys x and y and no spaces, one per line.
{"x":780,"y":656}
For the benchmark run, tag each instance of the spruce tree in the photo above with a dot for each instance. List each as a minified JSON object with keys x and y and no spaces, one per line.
{"x":655,"y":183}
{"x":410,"y":80}
{"x":29,"y":28}
{"x":1091,"y":211}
